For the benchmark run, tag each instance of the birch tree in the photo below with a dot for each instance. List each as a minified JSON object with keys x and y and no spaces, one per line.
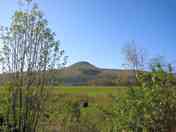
{"x":133,"y":55}
{"x":30,"y":52}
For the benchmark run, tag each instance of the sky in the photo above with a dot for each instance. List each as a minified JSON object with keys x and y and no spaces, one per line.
{"x":97,"y":30}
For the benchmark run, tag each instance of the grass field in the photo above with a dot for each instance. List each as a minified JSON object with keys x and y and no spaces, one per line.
{"x":63,"y":101}
{"x":88,"y":90}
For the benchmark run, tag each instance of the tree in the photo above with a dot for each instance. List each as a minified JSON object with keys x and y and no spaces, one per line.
{"x":149,"y":107}
{"x":134,"y":56}
{"x":29,"y":55}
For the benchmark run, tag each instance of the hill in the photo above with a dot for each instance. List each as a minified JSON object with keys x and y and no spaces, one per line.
{"x":84,"y":73}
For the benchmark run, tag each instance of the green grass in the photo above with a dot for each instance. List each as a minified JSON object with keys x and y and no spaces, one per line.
{"x":62,"y":101}
{"x":88,"y":90}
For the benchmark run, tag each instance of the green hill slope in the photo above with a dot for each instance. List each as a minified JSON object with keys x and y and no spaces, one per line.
{"x":84,"y":73}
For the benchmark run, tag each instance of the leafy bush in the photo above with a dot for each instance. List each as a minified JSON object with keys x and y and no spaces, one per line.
{"x":149,"y":107}
{"x":5,"y":102}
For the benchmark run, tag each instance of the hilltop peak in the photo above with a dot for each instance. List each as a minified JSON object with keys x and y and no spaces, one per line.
{"x":83,"y":64}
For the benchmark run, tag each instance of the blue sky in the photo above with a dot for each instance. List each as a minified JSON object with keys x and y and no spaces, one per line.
{"x":96,"y":30}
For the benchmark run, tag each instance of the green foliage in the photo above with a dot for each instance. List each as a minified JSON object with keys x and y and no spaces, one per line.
{"x":151,"y":106}
{"x":29,"y":52}
{"x":5,"y":96}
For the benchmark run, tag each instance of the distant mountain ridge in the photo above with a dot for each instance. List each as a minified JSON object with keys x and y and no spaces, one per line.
{"x":85,"y":73}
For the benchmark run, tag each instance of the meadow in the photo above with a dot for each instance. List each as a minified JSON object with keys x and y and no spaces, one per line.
{"x":105,"y":109}
{"x":64,"y":111}
{"x":89,"y":90}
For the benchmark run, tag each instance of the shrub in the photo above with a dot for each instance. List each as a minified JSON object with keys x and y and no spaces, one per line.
{"x":149,"y":107}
